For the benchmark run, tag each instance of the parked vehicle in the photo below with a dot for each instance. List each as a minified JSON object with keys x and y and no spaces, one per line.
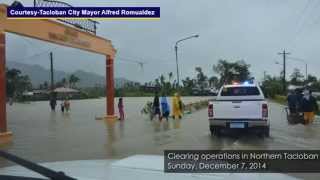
{"x":239,"y":106}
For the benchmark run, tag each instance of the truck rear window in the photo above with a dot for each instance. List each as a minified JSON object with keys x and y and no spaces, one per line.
{"x":240,"y":91}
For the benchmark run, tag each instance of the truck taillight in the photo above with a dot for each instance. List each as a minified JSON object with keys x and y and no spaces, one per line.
{"x":265,"y":110}
{"x":210,"y":110}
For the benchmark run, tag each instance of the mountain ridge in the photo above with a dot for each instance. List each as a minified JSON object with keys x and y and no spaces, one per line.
{"x":39,"y":74}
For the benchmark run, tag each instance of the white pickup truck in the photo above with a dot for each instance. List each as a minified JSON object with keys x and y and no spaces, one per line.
{"x":239,"y":106}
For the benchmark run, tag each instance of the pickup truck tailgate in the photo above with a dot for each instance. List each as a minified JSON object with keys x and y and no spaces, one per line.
{"x":237,"y":109}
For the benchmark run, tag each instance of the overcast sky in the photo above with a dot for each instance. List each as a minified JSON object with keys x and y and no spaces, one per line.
{"x":252,"y":30}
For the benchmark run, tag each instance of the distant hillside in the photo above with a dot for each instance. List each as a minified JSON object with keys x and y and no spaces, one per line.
{"x":88,"y":79}
{"x":39,"y":74}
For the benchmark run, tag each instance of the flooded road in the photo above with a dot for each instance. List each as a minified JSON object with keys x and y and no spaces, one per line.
{"x":42,"y":136}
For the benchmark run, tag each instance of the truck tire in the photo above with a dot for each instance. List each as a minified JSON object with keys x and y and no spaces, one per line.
{"x":215,"y":131}
{"x":267,"y":131}
{"x":212,"y":130}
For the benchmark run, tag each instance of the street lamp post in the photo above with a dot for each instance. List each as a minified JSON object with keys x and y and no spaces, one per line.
{"x":176,"y":50}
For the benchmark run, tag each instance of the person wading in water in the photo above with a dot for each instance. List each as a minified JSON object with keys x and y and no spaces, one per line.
{"x":121,"y":109}
{"x":156,"y":106}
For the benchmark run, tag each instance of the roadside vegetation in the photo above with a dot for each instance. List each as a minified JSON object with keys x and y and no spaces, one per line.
{"x":224,"y":71}
{"x":16,"y":84}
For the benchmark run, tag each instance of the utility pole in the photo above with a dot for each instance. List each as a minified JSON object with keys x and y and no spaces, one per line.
{"x":53,"y":97}
{"x":51,"y":72}
{"x":306,"y":73}
{"x":284,"y":54}
{"x":177,"y":65}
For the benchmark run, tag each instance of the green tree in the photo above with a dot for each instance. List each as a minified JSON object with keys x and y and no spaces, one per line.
{"x":213,"y":81}
{"x":73,"y":80}
{"x":170,"y":76}
{"x":17,"y":83}
{"x":157,"y":82}
{"x":272,"y":86}
{"x":313,"y":82}
{"x":232,"y":71}
{"x":162,"y":80}
{"x":12,"y":79}
{"x":23,"y":84}
{"x":165,"y":86}
{"x":188,"y":83}
{"x":312,"y":79}
{"x":296,"y":77}
{"x":201,"y":78}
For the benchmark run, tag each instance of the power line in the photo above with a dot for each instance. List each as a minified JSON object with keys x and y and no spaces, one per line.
{"x":304,"y":10}
{"x":303,"y":22}
{"x":317,"y":19}
{"x":151,"y":59}
{"x":300,"y":22}
{"x":32,"y":56}
{"x":130,"y":60}
{"x":140,"y":63}
{"x":45,"y":51}
{"x":296,"y":59}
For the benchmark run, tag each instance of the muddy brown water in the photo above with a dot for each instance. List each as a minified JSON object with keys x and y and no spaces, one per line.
{"x":44,"y":136}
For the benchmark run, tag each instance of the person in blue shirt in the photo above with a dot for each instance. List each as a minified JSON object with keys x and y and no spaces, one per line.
{"x":165,"y":108}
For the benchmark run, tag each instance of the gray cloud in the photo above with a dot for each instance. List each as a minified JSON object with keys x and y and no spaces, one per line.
{"x":245,"y":29}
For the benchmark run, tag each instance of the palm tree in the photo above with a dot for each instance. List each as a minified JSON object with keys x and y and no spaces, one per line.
{"x":157,"y":82}
{"x":213,"y":81}
{"x":73,"y":80}
{"x":17,"y":83}
{"x":170,"y":76}
{"x":201,"y":78}
{"x":229,"y":71}
{"x":162,"y":80}
{"x":188,"y":82}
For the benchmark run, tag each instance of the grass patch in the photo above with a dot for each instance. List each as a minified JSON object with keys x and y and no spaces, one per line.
{"x":280,"y":99}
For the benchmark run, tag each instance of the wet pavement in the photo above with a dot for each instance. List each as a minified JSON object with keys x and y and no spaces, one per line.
{"x":44,"y":136}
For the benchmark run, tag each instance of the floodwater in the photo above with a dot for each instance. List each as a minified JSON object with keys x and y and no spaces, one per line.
{"x":41,"y":135}
{"x":44,"y":136}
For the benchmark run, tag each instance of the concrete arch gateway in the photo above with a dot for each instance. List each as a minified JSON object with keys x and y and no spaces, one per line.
{"x":58,"y":33}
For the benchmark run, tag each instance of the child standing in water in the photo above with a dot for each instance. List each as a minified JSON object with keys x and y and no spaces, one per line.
{"x":66,"y":105}
{"x":121,"y":109}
